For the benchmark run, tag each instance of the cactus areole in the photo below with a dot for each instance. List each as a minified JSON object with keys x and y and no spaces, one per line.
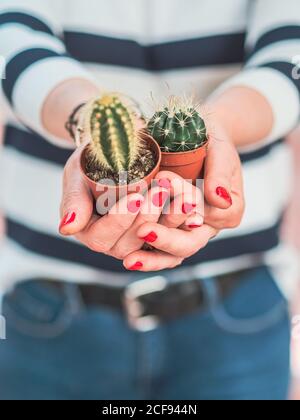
{"x":117,"y":146}
{"x":115,"y":141}
{"x":182,"y":136}
{"x":118,"y":157}
{"x":178,"y":127}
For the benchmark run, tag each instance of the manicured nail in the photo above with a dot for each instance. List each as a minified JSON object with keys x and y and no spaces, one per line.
{"x":134,"y":206}
{"x":223,"y":193}
{"x":67,"y":220}
{"x":187,"y":208}
{"x":137,"y":266}
{"x":151,"y":237}
{"x":164,"y":183}
{"x":160,"y":198}
{"x":194,"y":226}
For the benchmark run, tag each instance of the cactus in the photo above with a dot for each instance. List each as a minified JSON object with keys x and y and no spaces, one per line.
{"x":178,"y":126}
{"x":112,"y":126}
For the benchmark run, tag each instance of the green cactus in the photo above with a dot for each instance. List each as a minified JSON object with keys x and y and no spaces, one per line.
{"x":115,"y":140}
{"x":178,"y":127}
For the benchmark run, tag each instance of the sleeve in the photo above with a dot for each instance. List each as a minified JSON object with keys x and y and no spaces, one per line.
{"x":34,"y":59}
{"x":273,"y":61}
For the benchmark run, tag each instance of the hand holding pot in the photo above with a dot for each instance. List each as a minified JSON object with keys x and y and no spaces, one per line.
{"x":77,"y":212}
{"x":114,"y":234}
{"x":176,"y":238}
{"x":117,"y":233}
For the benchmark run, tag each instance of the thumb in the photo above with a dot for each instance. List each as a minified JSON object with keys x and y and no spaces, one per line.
{"x":77,"y":202}
{"x":219,"y":169}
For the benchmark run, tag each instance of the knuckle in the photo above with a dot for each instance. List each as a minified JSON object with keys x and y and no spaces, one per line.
{"x":71,"y":196}
{"x":171,"y":249}
{"x":121,"y":224}
{"x":237,"y":217}
{"x":194,"y":250}
{"x":117,"y":255}
{"x":120,"y":253}
{"x":172,"y":221}
{"x":96,"y":245}
{"x":234,"y":222}
{"x":216,"y":223}
{"x":177,"y":263}
{"x":230,"y":223}
{"x":221,"y":225}
{"x":143,"y":219}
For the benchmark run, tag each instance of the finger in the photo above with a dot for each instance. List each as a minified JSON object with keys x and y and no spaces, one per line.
{"x":155,"y":201}
{"x":232,"y":217}
{"x":146,"y":261}
{"x":176,"y":184}
{"x":188,"y":198}
{"x":181,"y":208}
{"x":77,"y":203}
{"x":151,"y":210}
{"x":193,"y":222}
{"x":225,"y":219}
{"x":176,"y":242}
{"x":220,"y":164}
{"x":102,"y":234}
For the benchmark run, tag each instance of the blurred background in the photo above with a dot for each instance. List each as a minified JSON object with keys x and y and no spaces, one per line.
{"x":291,"y":234}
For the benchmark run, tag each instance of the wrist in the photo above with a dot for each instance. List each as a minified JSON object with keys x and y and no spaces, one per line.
{"x":220,"y":127}
{"x":244,"y":114}
{"x":72,"y":123}
{"x":62,"y":102}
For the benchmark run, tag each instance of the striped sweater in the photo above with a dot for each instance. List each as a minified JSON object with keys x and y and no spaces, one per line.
{"x":138,"y":47}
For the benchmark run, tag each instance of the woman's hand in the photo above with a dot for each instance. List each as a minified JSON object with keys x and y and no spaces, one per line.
{"x":115,"y":234}
{"x":178,"y":236}
{"x":172,"y":217}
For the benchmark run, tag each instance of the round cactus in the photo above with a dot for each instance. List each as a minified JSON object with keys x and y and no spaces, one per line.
{"x":178,"y":127}
{"x":111,"y":124}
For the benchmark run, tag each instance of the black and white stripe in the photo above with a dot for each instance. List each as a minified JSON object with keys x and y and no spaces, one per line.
{"x":32,"y":144}
{"x":214,"y":50}
{"x":279,"y":34}
{"x":60,"y":249}
{"x":25,"y":19}
{"x":19,"y":63}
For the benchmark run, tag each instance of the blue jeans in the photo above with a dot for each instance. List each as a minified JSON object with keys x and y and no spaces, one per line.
{"x":56,"y":348}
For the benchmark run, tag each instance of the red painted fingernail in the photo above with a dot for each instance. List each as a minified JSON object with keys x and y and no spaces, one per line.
{"x":67,"y":220}
{"x":164,"y":183}
{"x":160,"y":198}
{"x":134,"y":206}
{"x":188,"y":208}
{"x":194,"y":226}
{"x":151,"y":237}
{"x":223,"y":193}
{"x":137,"y":266}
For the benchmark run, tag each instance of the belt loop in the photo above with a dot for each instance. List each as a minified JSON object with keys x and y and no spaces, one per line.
{"x":1,"y":302}
{"x":211,"y":291}
{"x":2,"y":319}
{"x":74,"y":298}
{"x":3,"y":293}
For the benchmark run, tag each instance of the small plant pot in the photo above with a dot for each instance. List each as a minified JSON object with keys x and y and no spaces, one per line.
{"x":189,"y":165}
{"x":116,"y":192}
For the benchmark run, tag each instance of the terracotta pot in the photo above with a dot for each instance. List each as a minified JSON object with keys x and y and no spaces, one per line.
{"x":115,"y":192}
{"x":188,"y":165}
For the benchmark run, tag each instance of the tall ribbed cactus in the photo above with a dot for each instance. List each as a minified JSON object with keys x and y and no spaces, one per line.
{"x":115,"y":139}
{"x":178,"y":127}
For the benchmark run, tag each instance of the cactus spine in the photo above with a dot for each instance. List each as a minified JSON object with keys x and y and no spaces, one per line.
{"x":178,"y":126}
{"x":112,"y":126}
